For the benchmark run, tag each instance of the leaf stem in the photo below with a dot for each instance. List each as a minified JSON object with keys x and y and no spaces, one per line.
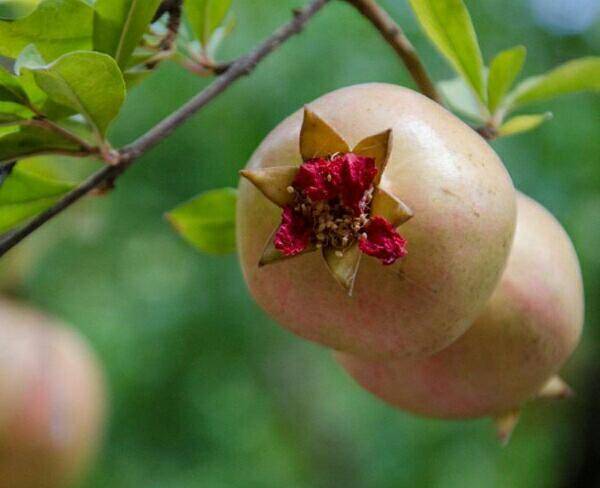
{"x":62,"y":131}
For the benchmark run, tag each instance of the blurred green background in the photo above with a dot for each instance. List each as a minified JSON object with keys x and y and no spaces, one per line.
{"x":205,"y":389}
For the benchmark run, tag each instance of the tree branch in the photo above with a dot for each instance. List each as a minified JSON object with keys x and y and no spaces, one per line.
{"x":129,"y":154}
{"x":394,"y":35}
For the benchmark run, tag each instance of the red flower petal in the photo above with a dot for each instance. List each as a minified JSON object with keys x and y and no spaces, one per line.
{"x":383,"y":241}
{"x":319,"y":179}
{"x":293,"y":235}
{"x":358,"y":173}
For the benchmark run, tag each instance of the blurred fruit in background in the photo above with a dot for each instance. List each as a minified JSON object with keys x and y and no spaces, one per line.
{"x":52,"y":400}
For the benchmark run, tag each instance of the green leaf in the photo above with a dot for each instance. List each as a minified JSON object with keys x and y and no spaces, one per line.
{"x":207,"y":221}
{"x":448,"y":25}
{"x":206,"y":16}
{"x":460,"y":98}
{"x":63,"y":168}
{"x":88,"y":82}
{"x":9,"y":119}
{"x":120,"y":24}
{"x":30,"y":140}
{"x":31,"y":59}
{"x":55,"y":27}
{"x":504,"y":70}
{"x":575,"y":76}
{"x":11,"y":89}
{"x":15,"y":9}
{"x":24,"y":195}
{"x":523,"y":123}
{"x":219,"y":35}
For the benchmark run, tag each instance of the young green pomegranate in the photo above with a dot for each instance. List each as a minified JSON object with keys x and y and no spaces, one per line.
{"x":528,"y":329}
{"x":374,"y":222}
{"x":52,"y":401}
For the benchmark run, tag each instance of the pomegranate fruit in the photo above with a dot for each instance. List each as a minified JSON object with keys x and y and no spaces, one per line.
{"x":369,"y":176}
{"x":528,"y":329}
{"x":52,"y":401}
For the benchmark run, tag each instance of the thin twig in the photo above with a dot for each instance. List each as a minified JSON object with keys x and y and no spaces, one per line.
{"x":129,"y":154}
{"x":240,"y":68}
{"x":167,"y":45}
{"x":164,"y":7}
{"x":488,"y":132}
{"x":394,"y":35}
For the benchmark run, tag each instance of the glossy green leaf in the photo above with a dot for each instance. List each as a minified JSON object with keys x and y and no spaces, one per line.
{"x":28,"y":141}
{"x":88,"y":82}
{"x":206,"y":16}
{"x":461,"y":99}
{"x":448,"y":25}
{"x":23,"y":195}
{"x":15,"y":9}
{"x":504,"y":70}
{"x":31,"y":59}
{"x":574,"y":76}
{"x":55,"y":27}
{"x":11,"y":89}
{"x":208,"y":221}
{"x":120,"y":24}
{"x":523,"y":123}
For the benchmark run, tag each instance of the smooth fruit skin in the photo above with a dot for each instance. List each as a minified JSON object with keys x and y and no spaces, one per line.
{"x":458,"y":240}
{"x":52,"y":401}
{"x":529,"y":328}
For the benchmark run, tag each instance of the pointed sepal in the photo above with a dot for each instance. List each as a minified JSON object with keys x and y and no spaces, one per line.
{"x":272,"y":255}
{"x":273,"y":183}
{"x":505,"y":425}
{"x":318,"y":139}
{"x":555,"y":389}
{"x":377,"y":147}
{"x":391,"y":208}
{"x":343,"y":265}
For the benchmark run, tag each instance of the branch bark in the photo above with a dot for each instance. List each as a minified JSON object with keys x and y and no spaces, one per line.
{"x":243,"y":66}
{"x":394,"y":35}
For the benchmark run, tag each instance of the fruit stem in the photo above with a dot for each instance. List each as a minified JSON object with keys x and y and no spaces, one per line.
{"x":394,"y":35}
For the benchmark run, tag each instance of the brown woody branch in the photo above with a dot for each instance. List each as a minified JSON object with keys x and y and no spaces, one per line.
{"x":127,"y":156}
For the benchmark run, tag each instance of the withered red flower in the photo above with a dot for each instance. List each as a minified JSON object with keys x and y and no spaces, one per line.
{"x":382,"y":241}
{"x":293,"y":235}
{"x":319,"y":179}
{"x":347,"y":179}
{"x":348,"y":176}
{"x":358,"y":173}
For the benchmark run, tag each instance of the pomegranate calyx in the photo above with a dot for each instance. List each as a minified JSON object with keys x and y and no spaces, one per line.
{"x":273,"y":183}
{"x":344,"y":267}
{"x":318,"y":139}
{"x":505,"y":425}
{"x":391,"y":208}
{"x":333,"y":202}
{"x":556,"y":389}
